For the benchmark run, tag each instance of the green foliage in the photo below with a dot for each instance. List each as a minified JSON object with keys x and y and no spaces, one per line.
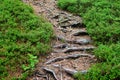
{"x":107,"y":53}
{"x":101,"y":71}
{"x":32,"y":61}
{"x":102,"y":20}
{"x":69,"y":5}
{"x":109,"y":68}
{"x":23,"y":36}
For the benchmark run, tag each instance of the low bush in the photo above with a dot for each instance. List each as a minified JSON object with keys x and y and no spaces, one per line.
{"x":69,"y":5}
{"x":102,"y":20}
{"x":108,"y":67}
{"x":23,"y":37}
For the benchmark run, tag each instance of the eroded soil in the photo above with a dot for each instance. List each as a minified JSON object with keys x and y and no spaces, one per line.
{"x":71,"y":48}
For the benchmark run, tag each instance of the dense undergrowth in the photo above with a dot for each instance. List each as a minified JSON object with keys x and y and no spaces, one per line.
{"x":23,"y":37}
{"x":102,"y":20}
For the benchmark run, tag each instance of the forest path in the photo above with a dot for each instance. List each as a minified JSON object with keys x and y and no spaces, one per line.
{"x":71,"y":48}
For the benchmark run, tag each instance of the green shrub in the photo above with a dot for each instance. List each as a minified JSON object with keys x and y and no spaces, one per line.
{"x":22,"y":35}
{"x":107,"y":53}
{"x":102,"y":20}
{"x":69,"y":5}
{"x":102,"y":71}
{"x":109,"y":68}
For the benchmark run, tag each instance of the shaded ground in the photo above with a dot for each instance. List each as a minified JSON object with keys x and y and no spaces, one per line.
{"x":72,"y":41}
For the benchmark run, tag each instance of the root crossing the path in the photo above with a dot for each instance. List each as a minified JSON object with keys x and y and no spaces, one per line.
{"x":71,"y":47}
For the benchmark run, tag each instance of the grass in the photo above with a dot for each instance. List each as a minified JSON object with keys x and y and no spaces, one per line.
{"x":23,"y":37}
{"x":102,"y":20}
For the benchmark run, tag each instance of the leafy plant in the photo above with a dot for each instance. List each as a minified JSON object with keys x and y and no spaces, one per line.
{"x":32,"y":61}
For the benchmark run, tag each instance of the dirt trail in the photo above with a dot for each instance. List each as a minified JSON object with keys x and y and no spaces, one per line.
{"x":71,"y":48}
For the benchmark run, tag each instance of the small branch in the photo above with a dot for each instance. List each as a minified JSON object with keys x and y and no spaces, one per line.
{"x":73,"y":56}
{"x":51,"y":71}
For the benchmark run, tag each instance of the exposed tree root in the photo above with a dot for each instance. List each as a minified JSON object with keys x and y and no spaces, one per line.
{"x":67,"y":70}
{"x":65,"y":30}
{"x":72,"y":29}
{"x":71,"y":71}
{"x":80,"y":32}
{"x":74,"y":49}
{"x":51,"y":71}
{"x":79,"y":41}
{"x":73,"y":56}
{"x":61,"y":46}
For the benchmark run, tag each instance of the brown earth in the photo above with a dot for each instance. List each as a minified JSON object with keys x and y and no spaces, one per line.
{"x":71,"y":48}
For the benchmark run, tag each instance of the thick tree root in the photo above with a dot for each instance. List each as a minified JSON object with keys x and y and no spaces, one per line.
{"x":74,"y":49}
{"x":61,"y":46}
{"x":79,"y":41}
{"x":67,"y":70}
{"x":71,"y":71}
{"x":72,"y":37}
{"x":38,"y":74}
{"x":51,"y":71}
{"x":80,"y":32}
{"x":64,"y":30}
{"x":73,"y":56}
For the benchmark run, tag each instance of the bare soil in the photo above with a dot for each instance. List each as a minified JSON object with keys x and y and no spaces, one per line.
{"x":70,"y":34}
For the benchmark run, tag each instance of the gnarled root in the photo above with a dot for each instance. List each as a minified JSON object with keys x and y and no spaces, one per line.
{"x":73,"y":56}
